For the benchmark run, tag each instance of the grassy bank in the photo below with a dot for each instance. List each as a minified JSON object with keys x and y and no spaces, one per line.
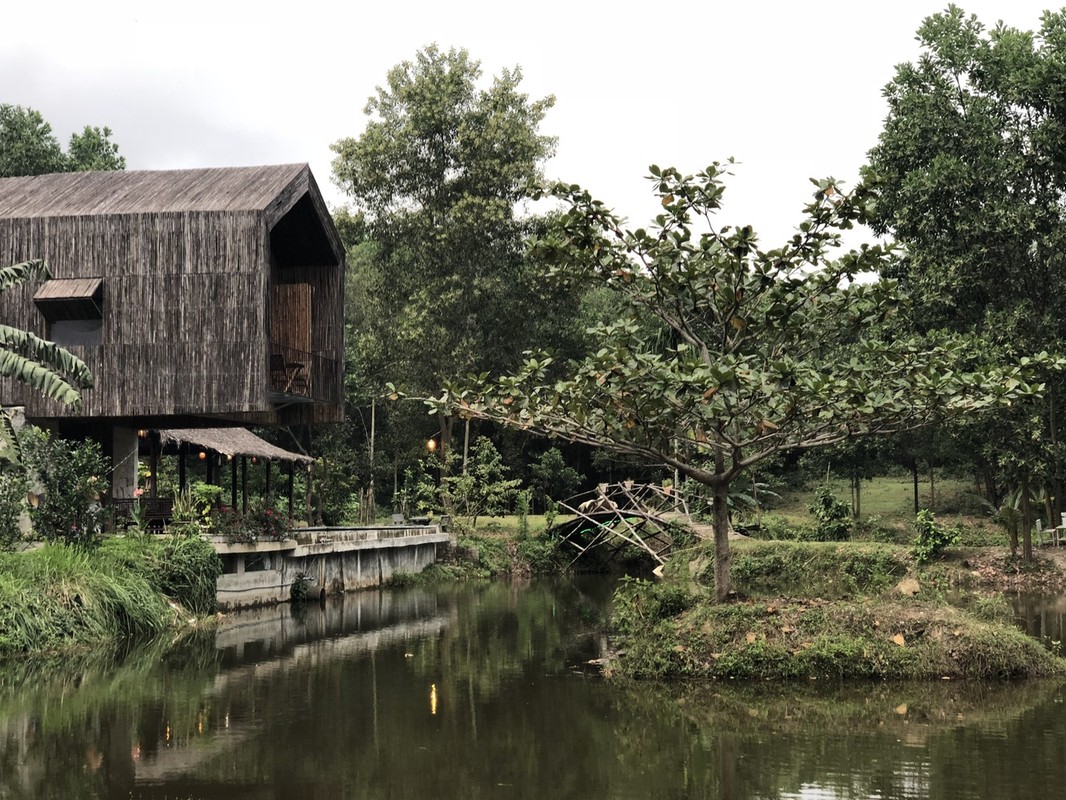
{"x":59,"y":596}
{"x":817,"y":610}
{"x":489,"y":554}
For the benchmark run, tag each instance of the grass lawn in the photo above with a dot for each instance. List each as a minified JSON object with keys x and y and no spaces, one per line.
{"x":888,"y":508}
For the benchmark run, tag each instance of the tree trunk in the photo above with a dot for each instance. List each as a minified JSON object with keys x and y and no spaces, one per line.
{"x":445,"y":448}
{"x":1027,"y":522}
{"x":371,"y":510}
{"x":723,"y":584}
{"x":914,"y":475}
{"x":466,"y":443}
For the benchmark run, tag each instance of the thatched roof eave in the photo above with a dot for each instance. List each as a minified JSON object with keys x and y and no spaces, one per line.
{"x":230,"y":442}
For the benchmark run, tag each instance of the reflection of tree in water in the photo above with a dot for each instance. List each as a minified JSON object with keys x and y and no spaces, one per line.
{"x":860,"y":741}
{"x":74,"y":725}
{"x":338,"y":704}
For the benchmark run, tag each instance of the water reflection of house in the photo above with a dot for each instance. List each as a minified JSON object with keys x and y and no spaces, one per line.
{"x":198,"y":298}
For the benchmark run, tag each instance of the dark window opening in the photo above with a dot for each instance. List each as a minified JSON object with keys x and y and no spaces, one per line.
{"x":73,"y":308}
{"x":76,"y":332}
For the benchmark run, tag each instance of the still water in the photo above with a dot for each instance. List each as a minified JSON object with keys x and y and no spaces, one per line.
{"x":479,"y":692}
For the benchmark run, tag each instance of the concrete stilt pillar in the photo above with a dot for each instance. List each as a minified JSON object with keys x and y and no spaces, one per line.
{"x":124,"y":459}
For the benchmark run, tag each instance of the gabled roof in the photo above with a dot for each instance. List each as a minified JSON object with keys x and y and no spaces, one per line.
{"x":145,"y":191}
{"x":273,"y":190}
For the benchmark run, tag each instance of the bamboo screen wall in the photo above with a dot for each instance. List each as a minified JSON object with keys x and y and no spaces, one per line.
{"x":186,"y":283}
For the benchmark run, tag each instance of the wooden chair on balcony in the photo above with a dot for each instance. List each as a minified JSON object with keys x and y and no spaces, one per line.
{"x":278,"y":376}
{"x":288,"y":376}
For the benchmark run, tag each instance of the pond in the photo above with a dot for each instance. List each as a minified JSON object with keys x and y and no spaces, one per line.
{"x":483,"y":691}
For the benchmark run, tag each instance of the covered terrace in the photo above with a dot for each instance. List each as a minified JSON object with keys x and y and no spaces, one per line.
{"x":225,"y":454}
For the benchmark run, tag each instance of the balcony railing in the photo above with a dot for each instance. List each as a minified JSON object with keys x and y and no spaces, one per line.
{"x":297,"y":374}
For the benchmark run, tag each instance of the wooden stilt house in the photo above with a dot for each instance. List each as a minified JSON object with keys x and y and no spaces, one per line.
{"x":197,"y":297}
{"x":206,"y":293}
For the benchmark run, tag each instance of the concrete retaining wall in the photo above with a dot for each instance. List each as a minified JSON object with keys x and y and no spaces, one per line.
{"x":331,"y":560}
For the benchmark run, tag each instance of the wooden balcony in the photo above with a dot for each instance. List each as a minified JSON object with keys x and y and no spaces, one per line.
{"x":297,"y":376}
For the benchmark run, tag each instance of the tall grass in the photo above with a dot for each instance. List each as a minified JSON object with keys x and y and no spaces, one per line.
{"x":60,"y":595}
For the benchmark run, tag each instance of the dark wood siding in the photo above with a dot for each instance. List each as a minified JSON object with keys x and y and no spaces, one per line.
{"x":186,"y":293}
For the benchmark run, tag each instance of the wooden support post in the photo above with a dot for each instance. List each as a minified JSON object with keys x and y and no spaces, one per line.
{"x":232,"y":483}
{"x":292,"y":483}
{"x":244,"y":484}
{"x":269,"y":488}
{"x":181,"y":468}
{"x":154,"y":462}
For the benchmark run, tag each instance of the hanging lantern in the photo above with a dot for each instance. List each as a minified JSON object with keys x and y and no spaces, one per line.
{"x":202,"y":455}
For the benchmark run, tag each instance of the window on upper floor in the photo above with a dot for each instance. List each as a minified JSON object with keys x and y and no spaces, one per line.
{"x":74,"y":309}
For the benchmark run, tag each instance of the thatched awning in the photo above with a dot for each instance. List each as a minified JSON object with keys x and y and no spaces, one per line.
{"x":70,"y":298}
{"x":230,"y":442}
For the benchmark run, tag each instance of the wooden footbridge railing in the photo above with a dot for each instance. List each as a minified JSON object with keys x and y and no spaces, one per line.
{"x":614,"y":516}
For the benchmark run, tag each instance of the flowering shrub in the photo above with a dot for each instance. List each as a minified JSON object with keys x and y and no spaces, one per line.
{"x":261,"y":522}
{"x":69,"y":477}
{"x":270,"y":523}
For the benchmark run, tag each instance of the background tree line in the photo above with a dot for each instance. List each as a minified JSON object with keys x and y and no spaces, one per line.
{"x":967,"y":176}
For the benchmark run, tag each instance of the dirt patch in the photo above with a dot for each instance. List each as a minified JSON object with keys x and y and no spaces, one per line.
{"x":996,"y":568}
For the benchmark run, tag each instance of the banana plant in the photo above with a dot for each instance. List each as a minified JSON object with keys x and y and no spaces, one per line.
{"x":44,"y":366}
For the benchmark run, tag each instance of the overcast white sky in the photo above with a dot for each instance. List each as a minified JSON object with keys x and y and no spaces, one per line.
{"x":792,"y":90}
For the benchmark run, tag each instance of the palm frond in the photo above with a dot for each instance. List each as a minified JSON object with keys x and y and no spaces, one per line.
{"x":39,"y":377}
{"x":47,"y":354}
{"x":35,"y":270}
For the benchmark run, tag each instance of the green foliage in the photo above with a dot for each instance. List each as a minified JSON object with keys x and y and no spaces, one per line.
{"x":185,"y":569}
{"x":93,"y":151}
{"x":551,"y":512}
{"x":138,"y":518}
{"x":639,"y":603}
{"x":551,"y":476}
{"x":813,"y":569}
{"x":540,"y":555}
{"x":833,"y":515}
{"x":771,"y":349}
{"x":681,"y":535}
{"x":12,"y":506}
{"x":483,"y":487}
{"x":28,"y":146}
{"x":42,"y":365}
{"x":300,"y":590}
{"x":521,"y":509}
{"x":489,"y":553}
{"x":775,"y":527}
{"x":969,"y":176}
{"x":196,"y":505}
{"x":640,"y":615}
{"x":806,"y":639}
{"x":59,"y":596}
{"x":67,"y":478}
{"x":437,"y":173}
{"x":933,"y":538}
{"x":418,"y":494}
{"x":262,"y":522}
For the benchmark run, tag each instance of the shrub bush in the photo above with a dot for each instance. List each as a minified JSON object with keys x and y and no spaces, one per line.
{"x":833,"y":517}
{"x":933,"y":538}
{"x":70,"y":478}
{"x":12,"y":504}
